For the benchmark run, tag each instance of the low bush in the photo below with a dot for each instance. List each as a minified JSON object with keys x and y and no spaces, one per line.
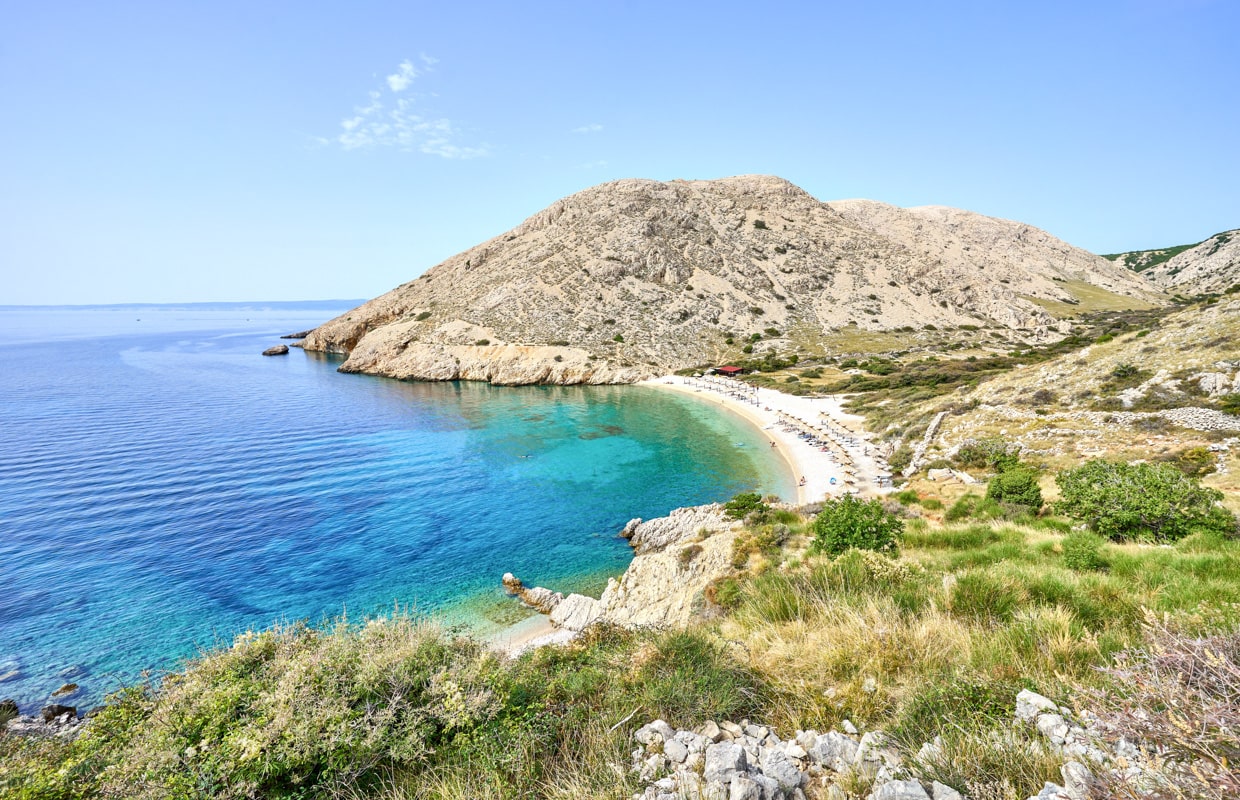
{"x":1141,"y":502}
{"x":1181,"y":692}
{"x":973,"y":506}
{"x":1016,"y":485}
{"x":907,"y":497}
{"x":1082,"y":551}
{"x":968,"y":703}
{"x":851,"y":523}
{"x":992,"y":453}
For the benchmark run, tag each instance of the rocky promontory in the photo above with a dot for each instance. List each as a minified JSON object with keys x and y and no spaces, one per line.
{"x":678,"y":556}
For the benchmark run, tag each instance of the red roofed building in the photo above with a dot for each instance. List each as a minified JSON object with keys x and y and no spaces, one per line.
{"x":731,"y":372}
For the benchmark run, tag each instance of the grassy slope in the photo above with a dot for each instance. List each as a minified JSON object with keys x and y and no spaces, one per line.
{"x":1089,"y":298}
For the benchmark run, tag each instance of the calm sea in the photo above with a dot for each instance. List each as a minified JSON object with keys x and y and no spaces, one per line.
{"x":164,"y":487}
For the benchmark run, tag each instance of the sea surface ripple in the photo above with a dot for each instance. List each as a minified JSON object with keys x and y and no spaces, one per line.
{"x":164,"y":487}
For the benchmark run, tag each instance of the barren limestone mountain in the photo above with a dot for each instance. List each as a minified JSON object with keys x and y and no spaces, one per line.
{"x":635,"y":278}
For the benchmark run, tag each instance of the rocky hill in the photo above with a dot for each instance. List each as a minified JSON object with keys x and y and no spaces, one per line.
{"x":635,"y":278}
{"x":1190,"y":269}
{"x":1211,"y":266}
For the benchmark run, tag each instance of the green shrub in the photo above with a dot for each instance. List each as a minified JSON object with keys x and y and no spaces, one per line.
{"x":901,"y":458}
{"x":617,"y":338}
{"x":907,"y":497}
{"x":848,"y":522}
{"x":740,"y":505}
{"x":1082,"y":551}
{"x":759,"y":224}
{"x":1016,"y":485}
{"x":932,"y":504}
{"x":991,"y":453}
{"x":1230,"y":404}
{"x":1141,"y":502}
{"x":692,"y":678}
{"x":423,"y":316}
{"x":1194,"y":461}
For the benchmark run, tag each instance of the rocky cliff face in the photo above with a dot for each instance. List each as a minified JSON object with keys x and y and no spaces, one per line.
{"x":636,"y":278}
{"x":1212,"y":266}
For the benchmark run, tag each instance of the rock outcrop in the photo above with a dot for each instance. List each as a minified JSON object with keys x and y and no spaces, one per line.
{"x":278,"y":350}
{"x":635,"y":278}
{"x":678,"y":556}
{"x":748,"y":760}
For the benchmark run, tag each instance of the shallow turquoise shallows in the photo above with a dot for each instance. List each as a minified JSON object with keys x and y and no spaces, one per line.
{"x":164,"y":487}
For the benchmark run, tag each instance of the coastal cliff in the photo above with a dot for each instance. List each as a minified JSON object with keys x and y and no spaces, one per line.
{"x":637,"y":278}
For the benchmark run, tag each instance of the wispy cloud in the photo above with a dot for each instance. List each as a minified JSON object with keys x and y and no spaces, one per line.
{"x":386,"y":120}
{"x":593,"y":127}
{"x":592,"y":164}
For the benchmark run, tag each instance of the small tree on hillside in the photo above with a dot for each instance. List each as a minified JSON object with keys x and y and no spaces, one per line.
{"x":1141,"y":502}
{"x":745,"y":503}
{"x":849,"y":522}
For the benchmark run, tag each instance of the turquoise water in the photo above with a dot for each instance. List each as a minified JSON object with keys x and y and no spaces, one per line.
{"x":164,"y":487}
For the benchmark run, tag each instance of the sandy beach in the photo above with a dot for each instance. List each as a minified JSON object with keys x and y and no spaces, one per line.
{"x":849,"y":462}
{"x":527,"y":634}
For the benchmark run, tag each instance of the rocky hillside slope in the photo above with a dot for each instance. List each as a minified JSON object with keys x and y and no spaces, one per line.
{"x":635,"y":278}
{"x":1212,"y":266}
{"x":1190,"y":269}
{"x":1145,"y":394}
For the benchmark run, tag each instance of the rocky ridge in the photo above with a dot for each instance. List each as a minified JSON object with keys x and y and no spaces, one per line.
{"x":1209,"y":266}
{"x":636,"y":278}
{"x":1212,"y":266}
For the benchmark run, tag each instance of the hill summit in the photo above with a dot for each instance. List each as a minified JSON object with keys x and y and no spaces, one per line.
{"x":636,"y":278}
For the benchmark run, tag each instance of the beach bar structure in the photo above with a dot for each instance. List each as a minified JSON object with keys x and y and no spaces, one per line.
{"x":730,"y":372}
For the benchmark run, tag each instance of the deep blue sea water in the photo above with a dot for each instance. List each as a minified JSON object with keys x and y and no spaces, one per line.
{"x":164,"y":487}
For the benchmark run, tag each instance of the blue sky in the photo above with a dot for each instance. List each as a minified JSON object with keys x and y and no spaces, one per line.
{"x":174,"y":152}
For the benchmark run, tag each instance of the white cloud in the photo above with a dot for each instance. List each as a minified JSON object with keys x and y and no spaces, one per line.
{"x":395,"y":121}
{"x":401,"y":80}
{"x":593,"y":127}
{"x":592,"y":165}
